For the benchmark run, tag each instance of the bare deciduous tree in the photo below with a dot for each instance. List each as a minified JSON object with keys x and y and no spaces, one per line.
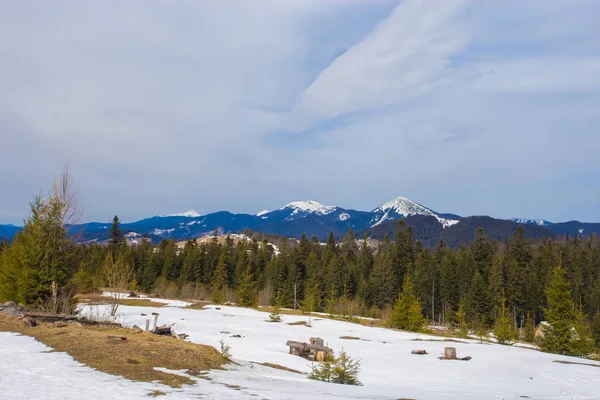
{"x":117,"y":274}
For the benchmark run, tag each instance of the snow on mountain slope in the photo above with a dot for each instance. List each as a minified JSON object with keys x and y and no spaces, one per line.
{"x":401,"y":207}
{"x":263,"y":212}
{"x":187,"y":214}
{"x":309,"y":207}
{"x":525,"y":221}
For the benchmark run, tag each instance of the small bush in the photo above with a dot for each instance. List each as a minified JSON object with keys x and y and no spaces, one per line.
{"x":274,"y":316}
{"x":225,"y":349}
{"x":342,"y":370}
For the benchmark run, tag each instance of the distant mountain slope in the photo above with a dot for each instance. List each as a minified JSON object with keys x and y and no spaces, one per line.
{"x":429,"y":231}
{"x":315,"y":219}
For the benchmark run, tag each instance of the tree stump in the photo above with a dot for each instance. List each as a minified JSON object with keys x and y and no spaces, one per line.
{"x":450,"y":353}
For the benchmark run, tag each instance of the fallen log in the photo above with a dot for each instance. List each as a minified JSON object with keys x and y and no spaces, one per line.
{"x":117,"y":337}
{"x":419,"y":352}
{"x":577,"y":363}
{"x":163,"y":331}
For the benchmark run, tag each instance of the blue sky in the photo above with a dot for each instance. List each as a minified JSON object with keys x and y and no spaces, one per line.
{"x":470,"y":107}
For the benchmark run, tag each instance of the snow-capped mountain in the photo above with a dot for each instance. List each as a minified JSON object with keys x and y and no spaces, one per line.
{"x":525,"y":221}
{"x":401,"y":207}
{"x":187,"y":214}
{"x":307,"y":207}
{"x":315,"y":219}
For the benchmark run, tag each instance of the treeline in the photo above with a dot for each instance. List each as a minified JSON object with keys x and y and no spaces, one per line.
{"x":488,"y":284}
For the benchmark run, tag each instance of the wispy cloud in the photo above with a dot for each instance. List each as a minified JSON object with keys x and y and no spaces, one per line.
{"x":403,"y":57}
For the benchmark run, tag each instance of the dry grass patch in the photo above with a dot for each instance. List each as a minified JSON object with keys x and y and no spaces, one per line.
{"x":97,"y":298}
{"x":281,"y":367}
{"x":349,"y":338}
{"x":304,"y":323}
{"x":134,"y":358}
{"x":199,"y":305}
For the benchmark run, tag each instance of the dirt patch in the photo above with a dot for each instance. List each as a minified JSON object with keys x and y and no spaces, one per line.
{"x":134,"y":358}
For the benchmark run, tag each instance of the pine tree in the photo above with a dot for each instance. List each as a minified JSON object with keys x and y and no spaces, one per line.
{"x":116,"y":236}
{"x":582,"y":343}
{"x":529,"y":329}
{"x":504,"y":329}
{"x":382,"y":280}
{"x":219,"y":280}
{"x":246,"y":291}
{"x":560,"y":315}
{"x":407,"y":313}
{"x":461,"y":319}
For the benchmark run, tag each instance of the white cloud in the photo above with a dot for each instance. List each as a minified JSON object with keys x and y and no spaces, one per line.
{"x":401,"y":58}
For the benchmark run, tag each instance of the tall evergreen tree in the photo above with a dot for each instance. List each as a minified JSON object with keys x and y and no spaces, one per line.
{"x":560,"y":315}
{"x":219,"y":280}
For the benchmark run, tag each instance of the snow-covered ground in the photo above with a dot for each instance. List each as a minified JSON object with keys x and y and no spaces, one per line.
{"x":389,"y":370}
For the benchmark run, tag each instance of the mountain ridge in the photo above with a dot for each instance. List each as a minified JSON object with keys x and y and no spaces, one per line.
{"x":315,"y":219}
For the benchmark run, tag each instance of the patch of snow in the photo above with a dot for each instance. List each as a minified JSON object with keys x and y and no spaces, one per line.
{"x":388,"y":369}
{"x":34,"y":372}
{"x":162,"y":232}
{"x":344,"y":217}
{"x":263,"y":212}
{"x":188,"y":214}
{"x":310,"y":207}
{"x":525,"y":221}
{"x":581,"y":231}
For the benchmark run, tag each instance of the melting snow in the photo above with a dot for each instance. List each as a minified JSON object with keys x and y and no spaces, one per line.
{"x":263,"y":212}
{"x":389,"y":370}
{"x":344,"y":217}
{"x":162,"y":232}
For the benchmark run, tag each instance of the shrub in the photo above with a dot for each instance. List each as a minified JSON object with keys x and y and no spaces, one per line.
{"x":342,"y":370}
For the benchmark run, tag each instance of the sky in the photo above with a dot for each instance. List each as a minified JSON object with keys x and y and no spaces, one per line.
{"x":469,"y":107}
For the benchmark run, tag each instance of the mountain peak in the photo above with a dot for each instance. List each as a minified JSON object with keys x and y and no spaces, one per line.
{"x":309,"y":206}
{"x":403,"y":206}
{"x":188,"y":214}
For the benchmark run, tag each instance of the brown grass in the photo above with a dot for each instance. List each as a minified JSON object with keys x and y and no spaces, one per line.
{"x":281,"y":367}
{"x":199,"y":305}
{"x":97,"y":298}
{"x":134,"y":358}
{"x":300,"y":323}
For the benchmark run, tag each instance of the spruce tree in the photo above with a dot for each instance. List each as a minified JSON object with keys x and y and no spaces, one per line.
{"x":504,"y":329}
{"x":560,"y":315}
{"x":219,"y":280}
{"x":246,"y":295}
{"x":461,"y":319}
{"x":407,"y":313}
{"x":116,"y":236}
{"x":582,"y":343}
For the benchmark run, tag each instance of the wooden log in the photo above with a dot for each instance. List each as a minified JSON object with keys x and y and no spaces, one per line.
{"x":117,"y":337}
{"x":163,"y":331}
{"x":419,"y":352}
{"x":450,"y":353}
